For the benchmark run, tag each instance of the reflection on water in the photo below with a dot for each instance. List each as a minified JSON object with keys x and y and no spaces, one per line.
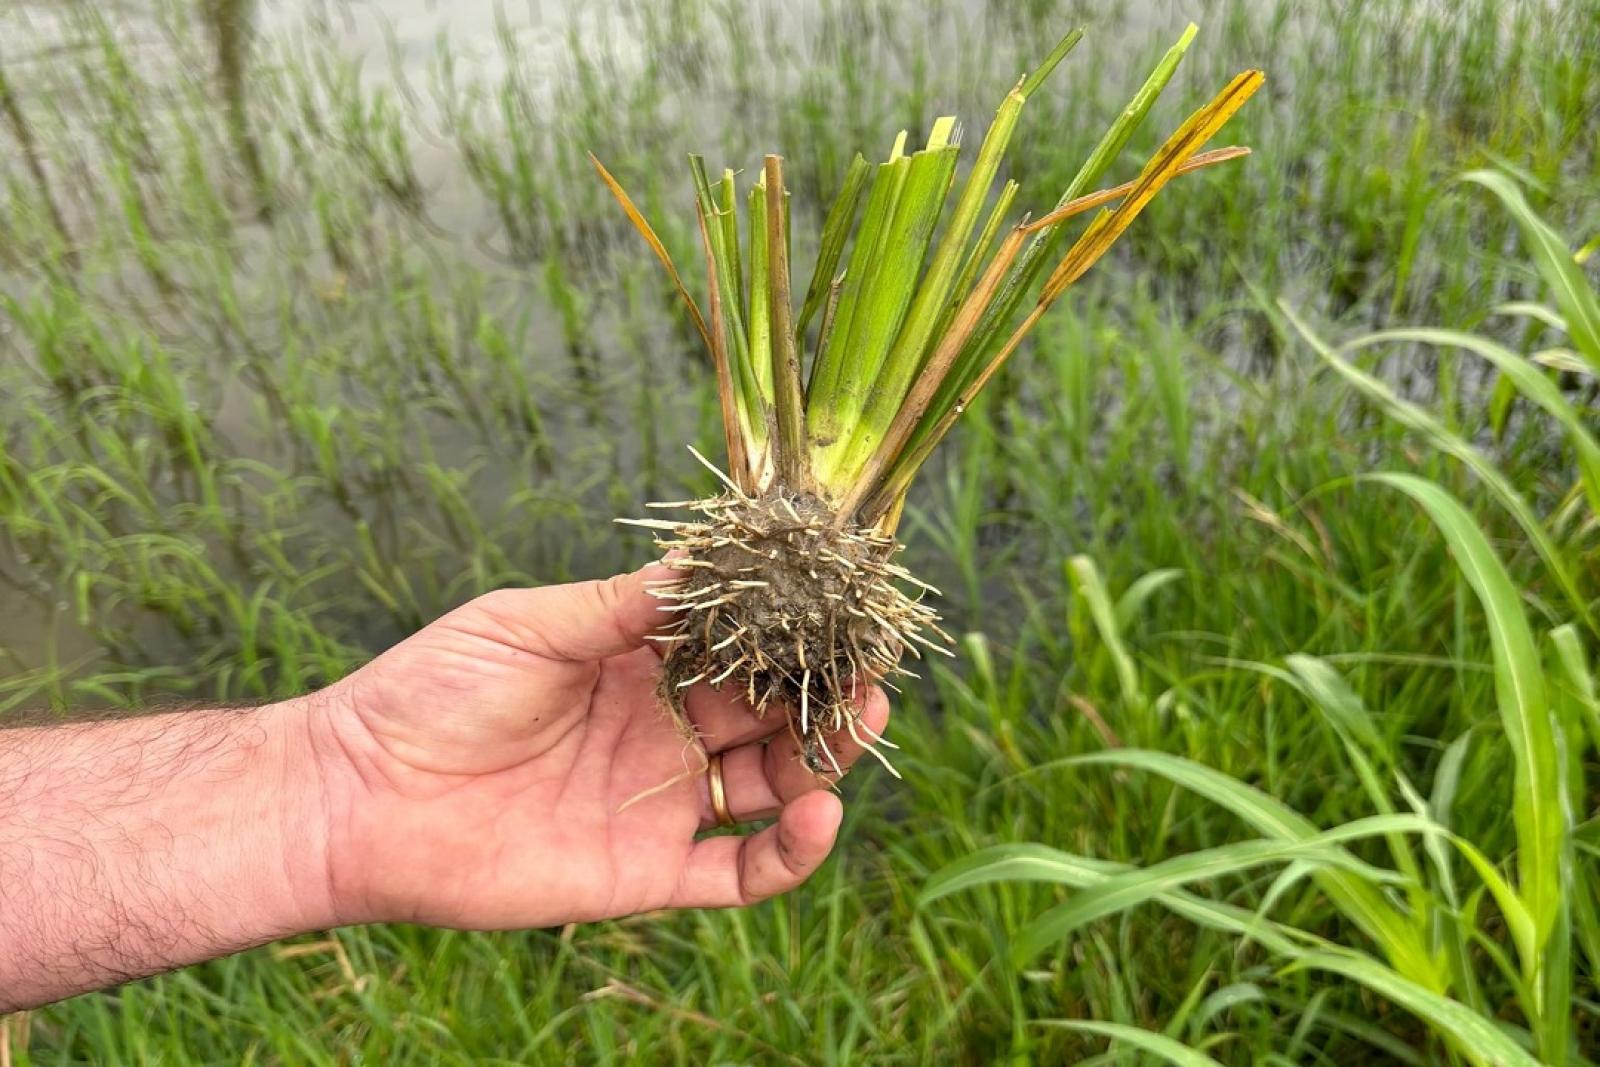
{"x":384,"y":33}
{"x":22,"y":132}
{"x":231,"y":24}
{"x":349,"y":337}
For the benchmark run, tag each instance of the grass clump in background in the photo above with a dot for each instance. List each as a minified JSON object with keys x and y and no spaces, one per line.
{"x":238,"y":454}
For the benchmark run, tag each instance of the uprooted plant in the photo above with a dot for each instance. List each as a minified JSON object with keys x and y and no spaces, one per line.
{"x":788,"y":588}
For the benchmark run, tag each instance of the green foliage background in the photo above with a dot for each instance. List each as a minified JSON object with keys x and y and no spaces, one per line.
{"x":296,"y":353}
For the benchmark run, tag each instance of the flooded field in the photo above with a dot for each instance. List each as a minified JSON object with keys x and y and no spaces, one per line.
{"x":315,"y":321}
{"x":338,"y":275}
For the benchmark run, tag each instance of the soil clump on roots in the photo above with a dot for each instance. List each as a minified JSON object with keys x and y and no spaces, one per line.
{"x":786,"y":605}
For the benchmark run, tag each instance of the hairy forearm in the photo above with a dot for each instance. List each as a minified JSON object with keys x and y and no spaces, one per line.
{"x":133,"y":846}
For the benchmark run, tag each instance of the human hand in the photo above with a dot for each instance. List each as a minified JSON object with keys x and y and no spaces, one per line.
{"x":479,"y":774}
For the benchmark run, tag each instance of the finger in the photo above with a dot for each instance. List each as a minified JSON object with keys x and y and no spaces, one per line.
{"x":751,"y":796}
{"x":727,"y":872}
{"x":664,"y":573}
{"x":786,"y":768}
{"x":723,"y":719}
{"x":761,"y":779}
{"x":581,"y":620}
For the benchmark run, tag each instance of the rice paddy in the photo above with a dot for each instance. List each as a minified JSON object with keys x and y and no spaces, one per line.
{"x":1272,"y":558}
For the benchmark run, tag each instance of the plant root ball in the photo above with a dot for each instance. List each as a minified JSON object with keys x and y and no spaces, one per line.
{"x":792,"y":609}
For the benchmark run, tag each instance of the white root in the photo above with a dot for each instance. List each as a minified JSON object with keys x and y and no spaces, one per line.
{"x":730,"y":639}
{"x":865,"y":747}
{"x":723,"y":677}
{"x":723,"y":478}
{"x":877,"y":738}
{"x":826,"y":751}
{"x":805,"y":704}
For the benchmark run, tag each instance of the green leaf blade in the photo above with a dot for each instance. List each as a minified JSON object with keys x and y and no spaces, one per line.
{"x":1018,"y":862}
{"x":823,"y":416}
{"x":1135,"y":887}
{"x":911,"y":346}
{"x":1555,"y":262}
{"x":1422,"y":421}
{"x":1475,"y":1035}
{"x":1400,"y":938}
{"x":1173,"y":1051}
{"x":1527,"y":377}
{"x":835,"y":233}
{"x":1525,"y":710}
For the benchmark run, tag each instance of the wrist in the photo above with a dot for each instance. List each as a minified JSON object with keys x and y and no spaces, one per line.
{"x":313,"y":822}
{"x":345,"y":792}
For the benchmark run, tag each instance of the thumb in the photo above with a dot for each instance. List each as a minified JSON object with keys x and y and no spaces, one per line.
{"x":583,"y":621}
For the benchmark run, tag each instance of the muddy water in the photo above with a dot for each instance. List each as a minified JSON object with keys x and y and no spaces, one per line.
{"x":44,"y":45}
{"x":951,"y":54}
{"x":396,"y":43}
{"x":974,"y":45}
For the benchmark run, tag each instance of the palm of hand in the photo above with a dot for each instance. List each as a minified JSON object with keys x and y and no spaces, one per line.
{"x":511,"y":766}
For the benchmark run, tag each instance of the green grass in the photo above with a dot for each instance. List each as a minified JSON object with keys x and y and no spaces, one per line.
{"x":289,"y":368}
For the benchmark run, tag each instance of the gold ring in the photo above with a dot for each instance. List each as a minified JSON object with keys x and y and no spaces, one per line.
{"x":719,"y":791}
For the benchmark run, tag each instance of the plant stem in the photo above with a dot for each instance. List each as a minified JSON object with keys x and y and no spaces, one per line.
{"x":792,"y":451}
